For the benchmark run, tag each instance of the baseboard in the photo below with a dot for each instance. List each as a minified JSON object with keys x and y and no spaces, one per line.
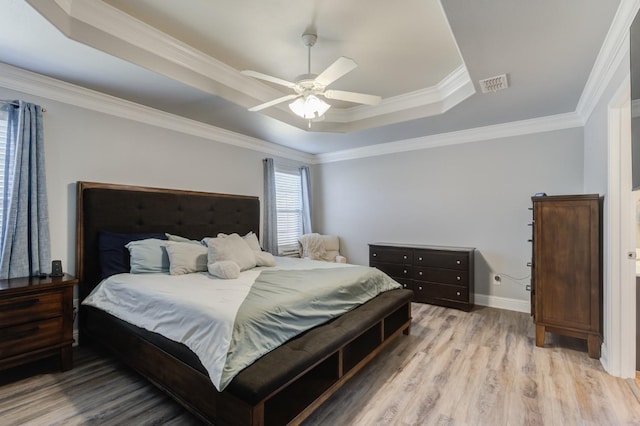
{"x":509,"y":304}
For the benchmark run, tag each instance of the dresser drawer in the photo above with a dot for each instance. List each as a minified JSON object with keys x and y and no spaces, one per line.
{"x":445,"y":276}
{"x":448,"y":260}
{"x":405,"y":283}
{"x":394,"y":270}
{"x":448,"y":292}
{"x":30,"y":308}
{"x":390,"y":254}
{"x":26,"y":337}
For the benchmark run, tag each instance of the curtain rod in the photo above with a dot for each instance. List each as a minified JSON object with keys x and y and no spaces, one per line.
{"x":14,"y":103}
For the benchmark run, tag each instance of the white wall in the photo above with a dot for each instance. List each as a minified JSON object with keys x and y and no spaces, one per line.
{"x":475,"y":194}
{"x":81,"y":144}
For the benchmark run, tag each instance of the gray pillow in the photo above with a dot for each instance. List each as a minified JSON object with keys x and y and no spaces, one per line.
{"x":186,"y":257}
{"x":148,"y":256}
{"x":225,"y":269}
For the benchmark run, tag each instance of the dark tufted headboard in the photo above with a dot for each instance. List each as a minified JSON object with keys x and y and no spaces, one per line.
{"x":132,"y":209}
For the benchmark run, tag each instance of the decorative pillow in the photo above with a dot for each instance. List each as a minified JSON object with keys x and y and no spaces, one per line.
{"x":113,"y":256}
{"x":264,"y":258}
{"x":186,"y":257}
{"x":148,"y":256}
{"x":225,"y":269}
{"x":252,"y":241}
{"x":179,"y":239}
{"x":231,"y":247}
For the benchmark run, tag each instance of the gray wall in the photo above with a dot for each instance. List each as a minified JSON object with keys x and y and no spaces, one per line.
{"x":475,"y":194}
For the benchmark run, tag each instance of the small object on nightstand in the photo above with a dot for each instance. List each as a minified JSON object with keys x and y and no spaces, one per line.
{"x":56,"y":268}
{"x":36,"y":320}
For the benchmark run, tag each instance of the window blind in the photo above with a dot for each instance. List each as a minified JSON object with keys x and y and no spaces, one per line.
{"x":289,"y":210}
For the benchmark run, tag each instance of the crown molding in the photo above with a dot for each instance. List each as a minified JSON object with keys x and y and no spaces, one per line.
{"x":45,"y":87}
{"x":612,"y":53}
{"x":227,"y":82}
{"x":515,"y":128}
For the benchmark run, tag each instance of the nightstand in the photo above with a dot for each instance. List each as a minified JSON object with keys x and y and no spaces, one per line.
{"x":36,"y":320}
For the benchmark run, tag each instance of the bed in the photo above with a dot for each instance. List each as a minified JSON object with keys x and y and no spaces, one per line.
{"x":285,"y":385}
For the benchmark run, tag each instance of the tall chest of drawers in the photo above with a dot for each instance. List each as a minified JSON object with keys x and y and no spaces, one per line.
{"x":36,"y":320}
{"x":438,"y":275}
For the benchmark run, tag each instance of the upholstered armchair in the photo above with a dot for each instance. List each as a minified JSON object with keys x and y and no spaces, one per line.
{"x":321,"y":247}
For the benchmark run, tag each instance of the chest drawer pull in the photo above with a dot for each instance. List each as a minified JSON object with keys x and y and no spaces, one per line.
{"x":458,"y":293}
{"x":420,"y":273}
{"x":458,"y":278}
{"x":458,"y":262}
{"x":404,"y":257}
{"x":420,"y":288}
{"x":374,"y":254}
{"x":19,"y":305}
{"x":404,"y":272}
{"x":420,"y":259}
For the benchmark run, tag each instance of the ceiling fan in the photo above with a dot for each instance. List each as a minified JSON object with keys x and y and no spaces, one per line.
{"x":309,"y":86}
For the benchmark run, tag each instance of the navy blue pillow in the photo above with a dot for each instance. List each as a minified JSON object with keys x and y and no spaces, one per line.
{"x":113,"y":255}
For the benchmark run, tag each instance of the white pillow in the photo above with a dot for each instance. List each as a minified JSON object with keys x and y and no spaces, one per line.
{"x":180,"y":239}
{"x":148,"y":256}
{"x":186,"y":257}
{"x":225,"y":269}
{"x":231,"y":247}
{"x":264,"y":258}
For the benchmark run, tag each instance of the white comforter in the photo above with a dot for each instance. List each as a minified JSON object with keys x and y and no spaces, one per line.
{"x":195,"y":309}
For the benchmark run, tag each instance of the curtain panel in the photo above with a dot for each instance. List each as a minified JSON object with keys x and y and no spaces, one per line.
{"x":270,"y":231}
{"x":24,"y":241}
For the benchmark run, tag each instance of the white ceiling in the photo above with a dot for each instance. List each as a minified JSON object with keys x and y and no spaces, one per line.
{"x":422,"y":57}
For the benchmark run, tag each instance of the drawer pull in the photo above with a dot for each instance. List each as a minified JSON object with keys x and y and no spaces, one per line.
{"x":420,"y":273}
{"x":20,"y":334}
{"x":420,"y":259}
{"x":404,"y":285}
{"x":19,"y":305}
{"x":404,"y":272}
{"x":374,"y":254}
{"x":420,"y":288}
{"x":404,"y":257}
{"x":458,"y":293}
{"x":458,"y":262}
{"x":458,"y":278}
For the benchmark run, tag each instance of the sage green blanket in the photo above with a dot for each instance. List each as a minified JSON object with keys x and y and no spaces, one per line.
{"x":284,"y":303}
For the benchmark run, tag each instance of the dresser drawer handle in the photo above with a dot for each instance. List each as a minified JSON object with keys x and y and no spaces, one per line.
{"x":420,"y":273}
{"x":404,"y":257}
{"x":19,"y":305}
{"x":374,"y":254}
{"x":458,"y":262}
{"x":420,"y":259}
{"x":404,"y":272}
{"x":458,"y":293}
{"x":21,"y":334}
{"x":420,"y":288}
{"x":404,"y":285}
{"x":458,"y":278}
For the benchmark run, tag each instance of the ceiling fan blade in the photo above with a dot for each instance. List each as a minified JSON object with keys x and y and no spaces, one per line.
{"x":273,"y":102}
{"x":340,"y":67}
{"x":269,"y":78}
{"x":359,"y":98}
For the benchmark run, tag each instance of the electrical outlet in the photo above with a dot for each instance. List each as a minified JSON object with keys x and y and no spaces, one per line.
{"x":528,"y":287}
{"x":496,"y":278}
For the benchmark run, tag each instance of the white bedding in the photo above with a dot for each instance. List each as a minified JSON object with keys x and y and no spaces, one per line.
{"x":195,"y":309}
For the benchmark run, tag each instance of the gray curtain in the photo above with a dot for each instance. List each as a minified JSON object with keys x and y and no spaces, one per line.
{"x":270,"y":232}
{"x":24,"y":237}
{"x":305,"y":182}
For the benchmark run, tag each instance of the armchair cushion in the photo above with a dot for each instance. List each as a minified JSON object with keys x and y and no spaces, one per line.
{"x":321,"y":247}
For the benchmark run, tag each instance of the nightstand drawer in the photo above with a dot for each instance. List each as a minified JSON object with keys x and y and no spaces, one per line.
{"x":445,"y":276}
{"x":448,"y":260}
{"x":26,"y":337}
{"x":30,"y":308}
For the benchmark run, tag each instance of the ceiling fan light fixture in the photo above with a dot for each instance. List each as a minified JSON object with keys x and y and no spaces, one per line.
{"x":309,"y":107}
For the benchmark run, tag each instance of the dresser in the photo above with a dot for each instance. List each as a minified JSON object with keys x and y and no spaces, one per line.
{"x":566,"y":283}
{"x":36,"y":320}
{"x":438,"y":275}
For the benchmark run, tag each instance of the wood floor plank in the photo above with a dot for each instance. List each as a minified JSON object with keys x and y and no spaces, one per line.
{"x":456,"y":368}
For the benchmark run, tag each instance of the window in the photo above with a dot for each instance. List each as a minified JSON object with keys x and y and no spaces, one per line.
{"x":289,"y":209}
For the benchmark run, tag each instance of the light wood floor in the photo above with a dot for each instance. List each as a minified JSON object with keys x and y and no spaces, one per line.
{"x":456,"y":368}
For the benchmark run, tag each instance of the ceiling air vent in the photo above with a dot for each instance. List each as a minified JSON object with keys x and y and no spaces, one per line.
{"x":493,"y":84}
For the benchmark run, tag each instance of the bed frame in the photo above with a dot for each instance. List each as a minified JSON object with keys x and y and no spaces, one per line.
{"x":282,"y":387}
